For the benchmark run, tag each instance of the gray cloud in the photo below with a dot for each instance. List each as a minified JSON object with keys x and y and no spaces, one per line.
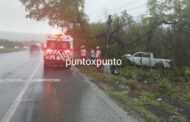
{"x":12,"y":18}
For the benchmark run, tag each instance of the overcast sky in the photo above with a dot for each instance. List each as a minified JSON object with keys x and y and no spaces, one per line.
{"x":12,"y":14}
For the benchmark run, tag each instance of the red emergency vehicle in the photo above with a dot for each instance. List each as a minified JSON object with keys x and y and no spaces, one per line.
{"x":57,"y":49}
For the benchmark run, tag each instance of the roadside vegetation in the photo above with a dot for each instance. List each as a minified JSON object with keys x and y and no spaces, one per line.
{"x":7,"y":46}
{"x":10,"y":50}
{"x":157,"y":96}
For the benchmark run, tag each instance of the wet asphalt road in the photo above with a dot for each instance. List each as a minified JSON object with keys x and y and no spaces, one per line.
{"x":27,"y":94}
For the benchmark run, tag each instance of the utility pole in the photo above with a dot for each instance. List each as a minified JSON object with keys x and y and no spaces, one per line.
{"x":109,"y":22}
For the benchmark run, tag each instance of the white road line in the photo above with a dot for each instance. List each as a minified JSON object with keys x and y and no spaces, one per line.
{"x":8,"y":116}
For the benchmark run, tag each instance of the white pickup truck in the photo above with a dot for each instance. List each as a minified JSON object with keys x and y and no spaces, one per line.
{"x":147,"y":59}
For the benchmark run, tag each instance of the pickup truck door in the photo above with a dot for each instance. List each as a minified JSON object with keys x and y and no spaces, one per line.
{"x":137,"y":59}
{"x":146,"y":59}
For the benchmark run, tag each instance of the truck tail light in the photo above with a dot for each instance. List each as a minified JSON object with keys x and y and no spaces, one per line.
{"x":67,"y":51}
{"x":49,"y":51}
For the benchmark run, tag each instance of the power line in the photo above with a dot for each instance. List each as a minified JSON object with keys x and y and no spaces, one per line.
{"x":136,"y":17}
{"x":141,"y":15}
{"x":134,"y":8}
{"x":124,"y":6}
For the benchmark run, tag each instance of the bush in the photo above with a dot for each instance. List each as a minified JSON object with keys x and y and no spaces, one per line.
{"x":164,"y":86}
{"x":176,"y":119}
{"x":187,"y":71}
{"x":134,"y":85}
{"x":187,"y":97}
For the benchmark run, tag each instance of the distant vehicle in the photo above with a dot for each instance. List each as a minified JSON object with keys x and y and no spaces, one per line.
{"x":2,"y":47}
{"x":57,"y":49}
{"x":34,"y":49}
{"x":16,"y":47}
{"x":147,"y":59}
{"x":26,"y":47}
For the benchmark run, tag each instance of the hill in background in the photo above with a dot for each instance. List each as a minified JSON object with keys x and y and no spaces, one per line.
{"x":19,"y":36}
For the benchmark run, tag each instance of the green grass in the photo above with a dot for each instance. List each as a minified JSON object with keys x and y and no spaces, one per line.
{"x":138,"y":88}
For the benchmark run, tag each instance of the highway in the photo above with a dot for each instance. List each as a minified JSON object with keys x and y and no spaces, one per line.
{"x":28,"y":94}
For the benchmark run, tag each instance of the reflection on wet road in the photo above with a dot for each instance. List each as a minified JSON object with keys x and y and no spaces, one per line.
{"x":70,"y":99}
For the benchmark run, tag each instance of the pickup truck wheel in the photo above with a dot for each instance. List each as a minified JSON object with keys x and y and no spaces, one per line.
{"x":159,"y":66}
